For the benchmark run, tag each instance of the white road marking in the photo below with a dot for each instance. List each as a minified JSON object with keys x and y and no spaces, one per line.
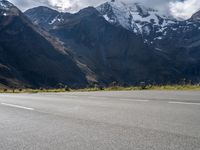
{"x":184,"y":103}
{"x":17,"y":106}
{"x":135,"y":100}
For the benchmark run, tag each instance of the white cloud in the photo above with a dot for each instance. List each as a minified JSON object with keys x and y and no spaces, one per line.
{"x":185,"y":9}
{"x":75,"y":5}
{"x":72,"y":5}
{"x":61,"y":4}
{"x":178,"y":8}
{"x":26,"y":4}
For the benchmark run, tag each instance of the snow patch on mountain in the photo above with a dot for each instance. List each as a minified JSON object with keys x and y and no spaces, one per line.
{"x":134,"y":16}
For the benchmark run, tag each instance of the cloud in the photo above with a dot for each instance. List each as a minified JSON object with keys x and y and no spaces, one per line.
{"x":72,"y":5}
{"x":184,"y":9}
{"x":26,"y":4}
{"x":61,"y":5}
{"x":75,"y":5}
{"x":178,"y":8}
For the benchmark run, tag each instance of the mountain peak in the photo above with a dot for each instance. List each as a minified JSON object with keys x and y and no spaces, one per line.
{"x":88,"y":10}
{"x":43,"y":9}
{"x":132,"y":16}
{"x":196,"y":16}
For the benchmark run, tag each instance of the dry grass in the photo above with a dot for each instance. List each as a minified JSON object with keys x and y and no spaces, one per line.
{"x":114,"y":88}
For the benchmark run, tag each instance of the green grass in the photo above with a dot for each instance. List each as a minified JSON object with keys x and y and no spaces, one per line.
{"x":115,"y":88}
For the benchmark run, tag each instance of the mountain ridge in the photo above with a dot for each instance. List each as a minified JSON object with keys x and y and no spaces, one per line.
{"x":86,"y":48}
{"x":74,"y":26}
{"x":134,"y":17}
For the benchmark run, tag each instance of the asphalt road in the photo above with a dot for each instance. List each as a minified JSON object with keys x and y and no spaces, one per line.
{"x":140,"y":120}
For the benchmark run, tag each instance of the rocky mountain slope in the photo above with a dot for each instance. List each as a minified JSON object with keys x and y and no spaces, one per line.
{"x":127,"y":43}
{"x":108,"y":49}
{"x":30,"y":57}
{"x":113,"y":43}
{"x":148,"y":22}
{"x":179,"y":40}
{"x":196,"y":16}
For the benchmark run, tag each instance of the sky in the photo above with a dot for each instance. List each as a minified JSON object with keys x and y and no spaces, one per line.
{"x":182,"y":9}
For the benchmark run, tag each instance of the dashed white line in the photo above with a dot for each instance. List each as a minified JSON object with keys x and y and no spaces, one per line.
{"x":184,"y":103}
{"x":17,"y":106}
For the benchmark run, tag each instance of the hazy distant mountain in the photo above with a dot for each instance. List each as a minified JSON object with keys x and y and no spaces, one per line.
{"x":30,"y":56}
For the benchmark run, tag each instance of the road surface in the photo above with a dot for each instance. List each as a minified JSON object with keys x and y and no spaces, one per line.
{"x":133,"y":120}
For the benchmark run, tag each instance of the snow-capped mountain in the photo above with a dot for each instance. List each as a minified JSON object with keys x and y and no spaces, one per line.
{"x":134,"y":16}
{"x":107,"y":45}
{"x":156,"y":28}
